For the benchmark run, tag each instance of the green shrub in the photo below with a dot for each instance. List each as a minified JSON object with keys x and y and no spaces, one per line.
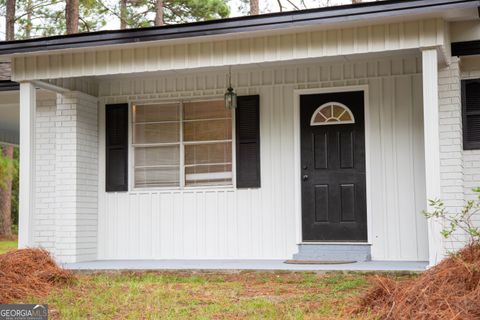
{"x":457,"y":221}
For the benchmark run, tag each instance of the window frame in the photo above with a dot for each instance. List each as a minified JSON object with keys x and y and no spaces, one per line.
{"x":182,"y":186}
{"x":467,"y":145}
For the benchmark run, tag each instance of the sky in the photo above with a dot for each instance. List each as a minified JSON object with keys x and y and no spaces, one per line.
{"x":266,"y":6}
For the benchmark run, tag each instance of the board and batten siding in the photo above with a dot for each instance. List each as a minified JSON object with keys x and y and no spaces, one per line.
{"x":261,"y":223}
{"x":247,"y":48}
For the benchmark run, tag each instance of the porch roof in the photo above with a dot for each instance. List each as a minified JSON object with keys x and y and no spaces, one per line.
{"x":320,"y":16}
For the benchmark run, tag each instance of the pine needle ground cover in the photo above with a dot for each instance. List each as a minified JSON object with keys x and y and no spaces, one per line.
{"x":449,"y":290}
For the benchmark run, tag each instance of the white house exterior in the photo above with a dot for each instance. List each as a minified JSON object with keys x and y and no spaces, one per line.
{"x":182,"y":185}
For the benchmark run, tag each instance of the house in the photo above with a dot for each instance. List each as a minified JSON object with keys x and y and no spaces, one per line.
{"x":347,"y":120}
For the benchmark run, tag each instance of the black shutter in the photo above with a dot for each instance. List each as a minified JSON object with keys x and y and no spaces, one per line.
{"x":116,"y":133}
{"x":247,"y":121}
{"x":471,"y":114}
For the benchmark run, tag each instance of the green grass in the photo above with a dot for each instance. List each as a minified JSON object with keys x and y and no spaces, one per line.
{"x":6,"y":245}
{"x":201,"y":295}
{"x":245,"y":295}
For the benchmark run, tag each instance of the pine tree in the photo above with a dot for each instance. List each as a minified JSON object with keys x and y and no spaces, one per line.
{"x":254,"y":7}
{"x":6,"y":176}
{"x":71,"y":16}
{"x":159,"y":13}
{"x":10,"y":20}
{"x":145,"y":13}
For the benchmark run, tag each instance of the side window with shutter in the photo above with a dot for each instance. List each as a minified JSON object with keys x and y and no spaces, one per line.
{"x":116,"y":145}
{"x":471,"y":114}
{"x":247,"y":120}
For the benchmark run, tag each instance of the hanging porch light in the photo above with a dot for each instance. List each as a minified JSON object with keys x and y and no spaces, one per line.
{"x":230,"y":95}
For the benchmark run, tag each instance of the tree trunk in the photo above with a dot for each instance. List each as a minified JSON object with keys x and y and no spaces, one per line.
{"x":28,"y":28}
{"x":123,"y":14}
{"x":356,"y":1}
{"x":72,"y":16}
{"x":159,"y":13}
{"x":6,"y":198}
{"x":254,"y":7}
{"x":10,"y":20}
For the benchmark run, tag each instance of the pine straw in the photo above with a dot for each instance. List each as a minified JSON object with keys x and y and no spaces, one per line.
{"x":29,"y":272}
{"x":450,"y":290}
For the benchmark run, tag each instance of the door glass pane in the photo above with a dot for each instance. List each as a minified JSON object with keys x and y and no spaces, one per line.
{"x":157,"y":156}
{"x":157,"y":177}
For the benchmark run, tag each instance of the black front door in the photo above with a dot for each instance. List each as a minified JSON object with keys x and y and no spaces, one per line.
{"x":333,"y":167}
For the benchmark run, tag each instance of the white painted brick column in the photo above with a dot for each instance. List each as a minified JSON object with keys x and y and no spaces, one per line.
{"x":451,"y":145}
{"x":44,"y":214}
{"x":76,"y":186}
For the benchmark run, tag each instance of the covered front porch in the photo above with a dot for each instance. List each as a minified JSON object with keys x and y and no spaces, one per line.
{"x":226,"y":224}
{"x":68,"y":208}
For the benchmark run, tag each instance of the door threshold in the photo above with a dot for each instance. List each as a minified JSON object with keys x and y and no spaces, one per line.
{"x":334,"y":243}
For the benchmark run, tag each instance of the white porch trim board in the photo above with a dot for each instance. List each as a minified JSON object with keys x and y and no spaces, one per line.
{"x":27,"y":163}
{"x":432,"y":148}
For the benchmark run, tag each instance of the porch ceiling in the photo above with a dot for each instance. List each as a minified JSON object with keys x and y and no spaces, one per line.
{"x":265,"y":65}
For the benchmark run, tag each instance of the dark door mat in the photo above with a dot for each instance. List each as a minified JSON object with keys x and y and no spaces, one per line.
{"x":319,"y":261}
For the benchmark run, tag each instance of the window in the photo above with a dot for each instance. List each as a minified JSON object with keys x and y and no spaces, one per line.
{"x":471,"y":114}
{"x":332,"y":113}
{"x":182,"y":144}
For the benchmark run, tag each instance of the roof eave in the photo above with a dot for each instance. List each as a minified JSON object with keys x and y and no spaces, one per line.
{"x":331,"y":15}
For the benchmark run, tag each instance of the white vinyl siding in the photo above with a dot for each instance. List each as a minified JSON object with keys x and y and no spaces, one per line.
{"x":261,"y":223}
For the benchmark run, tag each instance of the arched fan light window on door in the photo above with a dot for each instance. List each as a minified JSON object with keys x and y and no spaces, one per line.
{"x":332,"y":113}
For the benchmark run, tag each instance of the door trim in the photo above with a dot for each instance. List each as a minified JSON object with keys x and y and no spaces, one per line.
{"x":297,"y":155}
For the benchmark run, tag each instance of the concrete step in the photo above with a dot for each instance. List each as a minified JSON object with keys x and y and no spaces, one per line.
{"x":355,"y":252}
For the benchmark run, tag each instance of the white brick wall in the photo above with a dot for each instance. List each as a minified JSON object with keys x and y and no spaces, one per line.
{"x":76,"y":177}
{"x":460,"y":169}
{"x":471,"y":158}
{"x":44,"y":222}
{"x":451,"y":147}
{"x":66,"y":176}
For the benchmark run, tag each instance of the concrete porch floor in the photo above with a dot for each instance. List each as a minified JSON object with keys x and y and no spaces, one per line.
{"x":231,"y":265}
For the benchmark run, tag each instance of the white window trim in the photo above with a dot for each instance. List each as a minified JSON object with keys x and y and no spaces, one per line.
{"x":182,"y":187}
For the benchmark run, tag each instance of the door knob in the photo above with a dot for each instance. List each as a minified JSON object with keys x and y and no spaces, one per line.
{"x":305,"y":178}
